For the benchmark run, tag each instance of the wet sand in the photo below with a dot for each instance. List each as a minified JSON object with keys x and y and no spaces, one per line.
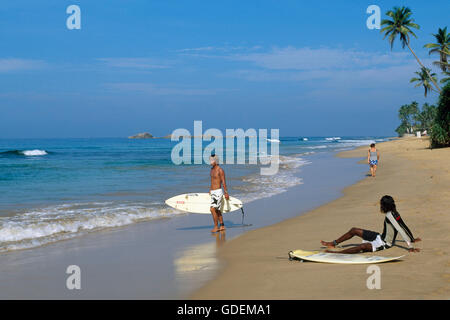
{"x":255,"y":265}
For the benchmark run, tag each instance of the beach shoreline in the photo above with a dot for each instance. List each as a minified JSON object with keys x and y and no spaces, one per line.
{"x":162,"y":258}
{"x":256,"y":266}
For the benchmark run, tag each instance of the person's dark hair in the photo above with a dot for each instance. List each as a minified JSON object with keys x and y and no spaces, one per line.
{"x":387,"y":204}
{"x":372,"y":145}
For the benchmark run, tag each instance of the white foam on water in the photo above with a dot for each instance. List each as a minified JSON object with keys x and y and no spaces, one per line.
{"x":333,"y":138}
{"x":355,"y":143}
{"x":259,"y":186}
{"x":50,"y":224}
{"x":35,"y":152}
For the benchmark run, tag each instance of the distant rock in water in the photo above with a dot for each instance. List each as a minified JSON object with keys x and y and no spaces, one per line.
{"x":144,"y":135}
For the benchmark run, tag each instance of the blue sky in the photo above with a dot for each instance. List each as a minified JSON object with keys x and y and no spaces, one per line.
{"x":306,"y":68}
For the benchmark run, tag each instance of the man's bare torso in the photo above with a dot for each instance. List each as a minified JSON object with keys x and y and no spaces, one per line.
{"x":216,"y":179}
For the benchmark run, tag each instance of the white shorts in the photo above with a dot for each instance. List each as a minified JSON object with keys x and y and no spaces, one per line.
{"x":377,"y":244}
{"x":216,"y":198}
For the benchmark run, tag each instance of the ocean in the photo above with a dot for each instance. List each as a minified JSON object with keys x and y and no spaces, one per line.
{"x":57,"y":189}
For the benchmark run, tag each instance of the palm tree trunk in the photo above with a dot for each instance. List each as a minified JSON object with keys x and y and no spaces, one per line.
{"x":439,"y":89}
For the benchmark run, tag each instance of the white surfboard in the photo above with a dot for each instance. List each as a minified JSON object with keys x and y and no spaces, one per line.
{"x":325,"y":257}
{"x":200,"y":203}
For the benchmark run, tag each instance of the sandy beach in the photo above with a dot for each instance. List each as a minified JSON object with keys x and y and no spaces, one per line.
{"x":256,"y":265}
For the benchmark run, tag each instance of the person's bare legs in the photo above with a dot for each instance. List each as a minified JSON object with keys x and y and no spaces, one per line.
{"x":364,"y":247}
{"x":215,"y":218}
{"x":374,"y":170}
{"x":350,"y":234}
{"x":220,"y":218}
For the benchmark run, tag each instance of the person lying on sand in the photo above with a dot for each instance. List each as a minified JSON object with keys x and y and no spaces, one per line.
{"x":373,"y":241}
{"x":217,"y":181}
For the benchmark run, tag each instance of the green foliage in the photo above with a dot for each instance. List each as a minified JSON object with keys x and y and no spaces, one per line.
{"x":441,"y":47}
{"x":425,"y":118}
{"x":440,"y":134}
{"x":402,"y":129}
{"x":399,"y":25}
{"x":407,"y":115}
{"x":413,"y":119}
{"x":424,"y":79}
{"x":446,"y":76}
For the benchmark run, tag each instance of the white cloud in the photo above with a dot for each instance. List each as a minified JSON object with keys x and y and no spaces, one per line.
{"x":368,"y":77}
{"x":15,"y":64}
{"x":337,"y":68}
{"x":291,"y":58}
{"x":152,"y":89}
{"x":134,"y":63}
{"x":214,"y":50}
{"x":197,"y":49}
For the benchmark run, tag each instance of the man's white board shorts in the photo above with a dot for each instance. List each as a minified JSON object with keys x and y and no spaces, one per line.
{"x":216,"y":198}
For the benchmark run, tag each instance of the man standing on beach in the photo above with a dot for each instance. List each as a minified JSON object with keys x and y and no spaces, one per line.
{"x":217,"y":182}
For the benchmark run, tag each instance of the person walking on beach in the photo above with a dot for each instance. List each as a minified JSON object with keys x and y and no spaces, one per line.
{"x":373,"y":241}
{"x":373,"y":156}
{"x":217,"y":182}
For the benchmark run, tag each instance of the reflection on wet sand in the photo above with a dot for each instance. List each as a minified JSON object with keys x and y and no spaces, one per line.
{"x":198,"y":264}
{"x":220,"y":238}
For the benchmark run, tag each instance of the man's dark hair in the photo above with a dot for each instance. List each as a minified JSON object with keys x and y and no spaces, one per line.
{"x":387,"y":204}
{"x":372,"y":145}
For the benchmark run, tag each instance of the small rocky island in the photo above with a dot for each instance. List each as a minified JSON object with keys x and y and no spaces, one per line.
{"x":143,"y":135}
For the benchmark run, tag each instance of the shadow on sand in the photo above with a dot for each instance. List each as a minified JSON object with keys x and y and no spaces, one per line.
{"x":228,"y":224}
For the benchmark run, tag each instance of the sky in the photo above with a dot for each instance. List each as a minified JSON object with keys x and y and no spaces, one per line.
{"x":305,"y":68}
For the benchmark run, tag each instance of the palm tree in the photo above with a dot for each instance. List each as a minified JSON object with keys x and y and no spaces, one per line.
{"x":407,"y":115}
{"x":442,"y":46}
{"x":424,"y":79}
{"x":445,"y":80}
{"x":401,"y":25}
{"x":426,"y":117}
{"x":447,"y":70}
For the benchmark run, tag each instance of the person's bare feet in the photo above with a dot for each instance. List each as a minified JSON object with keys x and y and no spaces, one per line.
{"x":222,"y":228}
{"x":327,"y":244}
{"x":215,"y":230}
{"x":330,"y":251}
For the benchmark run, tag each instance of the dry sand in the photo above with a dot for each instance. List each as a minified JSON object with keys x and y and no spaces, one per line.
{"x":256,"y":264}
